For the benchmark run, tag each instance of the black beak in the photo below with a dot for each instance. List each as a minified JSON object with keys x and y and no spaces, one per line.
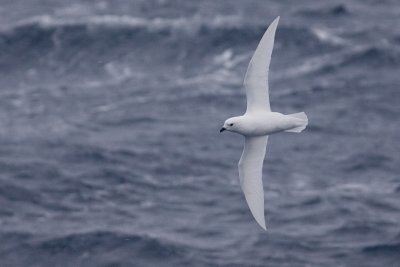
{"x":222,"y":129}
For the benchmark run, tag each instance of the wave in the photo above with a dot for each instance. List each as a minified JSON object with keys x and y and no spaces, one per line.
{"x":98,"y":248}
{"x":120,"y":48}
{"x":44,"y":35}
{"x":350,"y":56}
{"x":334,"y":11}
{"x":390,"y":249}
{"x":83,"y":43}
{"x":142,"y":245}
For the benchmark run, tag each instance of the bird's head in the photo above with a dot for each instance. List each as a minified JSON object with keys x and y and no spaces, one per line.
{"x":231,"y":124}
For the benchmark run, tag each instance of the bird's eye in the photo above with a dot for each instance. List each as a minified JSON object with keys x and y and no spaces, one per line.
{"x":230,"y":124}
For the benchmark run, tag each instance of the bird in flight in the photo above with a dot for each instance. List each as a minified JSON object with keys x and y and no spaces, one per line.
{"x":258,"y":123}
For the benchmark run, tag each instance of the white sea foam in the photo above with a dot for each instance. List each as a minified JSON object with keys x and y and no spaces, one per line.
{"x":325,"y":35}
{"x":191,"y":24}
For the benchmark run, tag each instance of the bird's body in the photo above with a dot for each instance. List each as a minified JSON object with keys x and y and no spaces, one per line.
{"x":265,"y":123}
{"x":258,"y":123}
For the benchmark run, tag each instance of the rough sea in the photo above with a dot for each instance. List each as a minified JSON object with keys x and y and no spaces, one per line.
{"x":110,"y":151}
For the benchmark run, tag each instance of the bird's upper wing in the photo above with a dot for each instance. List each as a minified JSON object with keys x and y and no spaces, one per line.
{"x":256,"y":79}
{"x":250,"y":173}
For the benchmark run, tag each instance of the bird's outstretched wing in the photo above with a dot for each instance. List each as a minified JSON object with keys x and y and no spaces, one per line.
{"x":256,"y":79}
{"x":250,"y":173}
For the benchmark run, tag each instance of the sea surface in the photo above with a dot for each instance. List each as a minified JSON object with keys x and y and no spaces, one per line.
{"x":110,"y":151}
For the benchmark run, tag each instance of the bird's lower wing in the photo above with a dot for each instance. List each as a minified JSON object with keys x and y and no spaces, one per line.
{"x":250,"y":173}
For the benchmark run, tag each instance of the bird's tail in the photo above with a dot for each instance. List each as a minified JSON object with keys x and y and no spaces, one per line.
{"x":302,"y":119}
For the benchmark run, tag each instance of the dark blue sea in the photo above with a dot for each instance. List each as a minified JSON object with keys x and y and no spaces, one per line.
{"x":110,"y":151}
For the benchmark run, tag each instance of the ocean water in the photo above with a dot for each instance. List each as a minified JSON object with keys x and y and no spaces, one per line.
{"x":110,"y":153}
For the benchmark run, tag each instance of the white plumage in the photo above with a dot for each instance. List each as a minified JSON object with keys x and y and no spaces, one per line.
{"x":258,"y":122}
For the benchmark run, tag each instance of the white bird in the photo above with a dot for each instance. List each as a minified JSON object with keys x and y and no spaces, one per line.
{"x":258,"y":123}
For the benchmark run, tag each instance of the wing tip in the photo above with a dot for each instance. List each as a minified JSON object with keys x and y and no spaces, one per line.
{"x":261,"y":223}
{"x":275,"y":22}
